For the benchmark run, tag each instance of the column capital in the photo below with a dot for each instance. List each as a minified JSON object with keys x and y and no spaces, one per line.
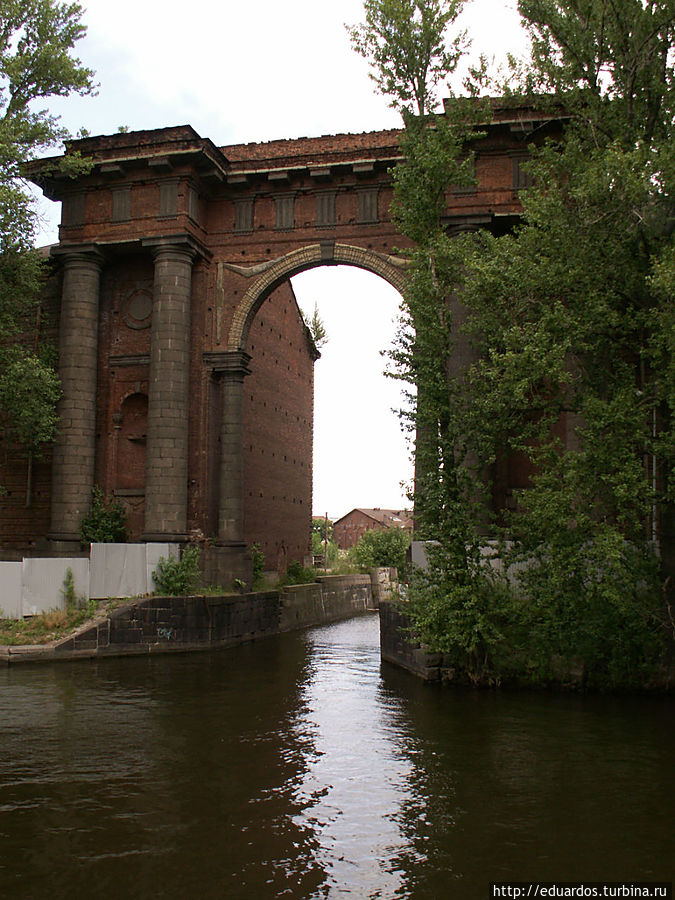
{"x":76,"y":254}
{"x":228,"y":364}
{"x":184,"y":244}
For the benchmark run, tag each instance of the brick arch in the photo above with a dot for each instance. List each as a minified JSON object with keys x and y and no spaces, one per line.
{"x":309,"y":257}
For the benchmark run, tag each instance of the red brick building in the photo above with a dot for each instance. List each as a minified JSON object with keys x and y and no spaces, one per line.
{"x":348,"y":530}
{"x":186,"y":369}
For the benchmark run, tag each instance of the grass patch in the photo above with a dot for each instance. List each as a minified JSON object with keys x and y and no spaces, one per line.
{"x":45,"y":627}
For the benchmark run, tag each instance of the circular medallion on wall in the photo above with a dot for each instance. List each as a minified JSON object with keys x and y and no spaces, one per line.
{"x":137,"y":312}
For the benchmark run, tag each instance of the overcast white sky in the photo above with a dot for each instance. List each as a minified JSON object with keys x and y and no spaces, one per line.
{"x":254,"y":71}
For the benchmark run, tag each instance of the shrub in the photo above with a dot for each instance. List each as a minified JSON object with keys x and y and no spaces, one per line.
{"x":177,"y":577}
{"x":70,"y":598}
{"x":382,"y":548}
{"x":106,"y":521}
{"x":298,"y":574}
{"x":258,"y":559}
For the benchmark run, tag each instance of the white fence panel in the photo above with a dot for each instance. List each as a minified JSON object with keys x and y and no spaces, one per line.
{"x":10,"y":590}
{"x":118,"y":570}
{"x":43,"y":583}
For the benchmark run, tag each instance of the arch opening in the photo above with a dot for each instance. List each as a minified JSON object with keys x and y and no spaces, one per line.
{"x":361,"y":456}
{"x":321,"y":436}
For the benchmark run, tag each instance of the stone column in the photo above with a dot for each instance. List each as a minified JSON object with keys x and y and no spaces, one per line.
{"x":232,"y":369}
{"x":168,"y":391}
{"x":74,"y":449}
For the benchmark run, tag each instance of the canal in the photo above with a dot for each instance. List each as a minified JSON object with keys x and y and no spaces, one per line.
{"x":299,"y":767}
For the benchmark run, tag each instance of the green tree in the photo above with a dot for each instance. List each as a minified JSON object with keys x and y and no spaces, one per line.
{"x":322,"y":541}
{"x":317,"y":328}
{"x":436,"y":157}
{"x":319,"y":525}
{"x":36,"y":62}
{"x":317,"y":544}
{"x":411,"y":53}
{"x":578,"y":328}
{"x":406,"y":43}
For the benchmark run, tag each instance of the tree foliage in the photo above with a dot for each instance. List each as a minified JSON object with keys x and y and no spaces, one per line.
{"x":322,"y":541}
{"x":322,"y":527}
{"x":435,"y":158}
{"x":37,"y":38}
{"x":571,"y":318}
{"x":317,"y":328}
{"x":574,"y":319}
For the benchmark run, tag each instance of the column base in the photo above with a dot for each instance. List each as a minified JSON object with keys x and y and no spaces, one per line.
{"x":161,"y":537}
{"x":226,"y":561}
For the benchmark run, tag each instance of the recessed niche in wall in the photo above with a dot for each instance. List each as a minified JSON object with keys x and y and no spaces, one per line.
{"x":137,"y":309}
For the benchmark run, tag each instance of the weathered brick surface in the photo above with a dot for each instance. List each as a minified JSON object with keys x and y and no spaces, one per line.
{"x":277,"y":440}
{"x":124,"y":363}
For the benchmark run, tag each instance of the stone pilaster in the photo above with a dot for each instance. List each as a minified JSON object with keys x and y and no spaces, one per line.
{"x":168,"y":391}
{"x":74,"y":450}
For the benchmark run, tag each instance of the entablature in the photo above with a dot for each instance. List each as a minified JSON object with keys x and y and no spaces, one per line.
{"x":242,"y":178}
{"x":161,"y":153}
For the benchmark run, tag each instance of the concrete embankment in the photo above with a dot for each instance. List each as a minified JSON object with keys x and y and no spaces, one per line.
{"x":172,"y":624}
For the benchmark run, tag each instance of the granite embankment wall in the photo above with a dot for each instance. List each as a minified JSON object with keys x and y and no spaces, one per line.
{"x":398,"y":647}
{"x":170,"y":624}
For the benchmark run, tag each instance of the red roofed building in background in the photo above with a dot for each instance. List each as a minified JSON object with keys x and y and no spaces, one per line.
{"x":348,"y":530}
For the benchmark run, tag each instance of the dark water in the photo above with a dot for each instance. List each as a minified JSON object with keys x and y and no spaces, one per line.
{"x":297,"y":768}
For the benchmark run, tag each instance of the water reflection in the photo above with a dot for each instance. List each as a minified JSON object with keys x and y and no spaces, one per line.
{"x":298,"y":768}
{"x":538,"y":786}
{"x":158,"y":778}
{"x":357,"y":782}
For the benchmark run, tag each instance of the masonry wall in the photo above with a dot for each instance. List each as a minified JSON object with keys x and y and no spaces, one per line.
{"x":304,"y":604}
{"x":398,"y":647}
